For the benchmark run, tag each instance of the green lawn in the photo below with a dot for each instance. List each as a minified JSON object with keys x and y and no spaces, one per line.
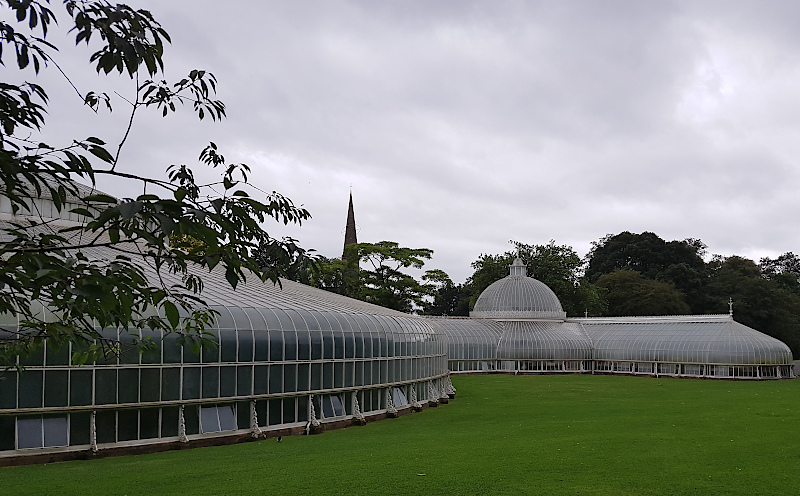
{"x":501,"y":435}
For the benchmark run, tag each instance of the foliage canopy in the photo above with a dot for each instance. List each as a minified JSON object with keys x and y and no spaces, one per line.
{"x":187,"y":227}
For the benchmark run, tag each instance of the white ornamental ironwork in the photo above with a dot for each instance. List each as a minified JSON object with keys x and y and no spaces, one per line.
{"x":255,"y":430}
{"x":389,"y":402}
{"x":356,"y":410}
{"x":182,"y":426}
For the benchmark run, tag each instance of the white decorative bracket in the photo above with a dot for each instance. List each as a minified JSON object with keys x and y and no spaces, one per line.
{"x":93,"y":431}
{"x":182,"y":427}
{"x":255,"y":430}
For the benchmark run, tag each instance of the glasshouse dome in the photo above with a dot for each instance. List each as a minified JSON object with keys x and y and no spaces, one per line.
{"x":517,"y":296}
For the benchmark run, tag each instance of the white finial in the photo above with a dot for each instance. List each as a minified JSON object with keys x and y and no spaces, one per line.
{"x":586,"y":313}
{"x":730,"y":307}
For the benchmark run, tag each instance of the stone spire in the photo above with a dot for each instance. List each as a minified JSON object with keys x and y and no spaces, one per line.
{"x":350,"y":229}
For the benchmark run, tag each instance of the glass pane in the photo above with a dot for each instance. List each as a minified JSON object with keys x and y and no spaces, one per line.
{"x":262,"y":346}
{"x":290,"y":345}
{"x":8,"y":389}
{"x":224,"y":319}
{"x":275,"y":379}
{"x":327,"y":345}
{"x":227,"y":346}
{"x":302,"y":377}
{"x":150,"y":388}
{"x":286,"y":322}
{"x":244,"y":378}
{"x":289,"y":378}
{"x":128,"y":386}
{"x":172,"y":350}
{"x":316,"y":376}
{"x":106,"y":423}
{"x":154,"y":355}
{"x":169,"y":421}
{"x":128,"y":349}
{"x":260,"y":374}
{"x":80,"y":390}
{"x":275,"y":411}
{"x":56,"y":387}
{"x":210,"y":383}
{"x":30,"y":389}
{"x":246,"y":346}
{"x":303,"y":346}
{"x":227,"y":418}
{"x":105,"y":389}
{"x":302,"y":409}
{"x":29,"y":433}
{"x":316,"y":345}
{"x":210,"y":353}
{"x":148,"y":423}
{"x":256,"y":319}
{"x":338,"y":345}
{"x":79,"y":428}
{"x":338,"y":374}
{"x":349,"y":345}
{"x":338,"y":410}
{"x":127,"y":425}
{"x":209,"y":420}
{"x":288,"y":410}
{"x":309,"y":320}
{"x":191,"y":383}
{"x":57,"y":355}
{"x":227,"y":381}
{"x":276,"y":346}
{"x":298,"y":323}
{"x":327,"y":375}
{"x":170,"y":384}
{"x":273,"y":324}
{"x":191,"y":417}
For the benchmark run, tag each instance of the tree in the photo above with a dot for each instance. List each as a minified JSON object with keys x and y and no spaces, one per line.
{"x":448,"y":298}
{"x":189,"y":226}
{"x":629,"y":294}
{"x":677,"y":262}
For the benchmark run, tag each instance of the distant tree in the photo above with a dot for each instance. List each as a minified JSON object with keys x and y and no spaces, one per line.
{"x":629,"y":294}
{"x":678,"y":262}
{"x":375,"y":272}
{"x":448,"y":298}
{"x":52,"y":265}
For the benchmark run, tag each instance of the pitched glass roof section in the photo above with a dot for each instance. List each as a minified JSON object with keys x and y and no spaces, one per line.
{"x":543,"y":340}
{"x":708,"y":339}
{"x":517,"y":296}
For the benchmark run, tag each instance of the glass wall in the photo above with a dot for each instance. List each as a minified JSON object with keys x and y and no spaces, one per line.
{"x":267,"y":365}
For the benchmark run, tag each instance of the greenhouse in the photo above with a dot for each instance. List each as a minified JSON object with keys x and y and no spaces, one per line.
{"x":519,"y":326}
{"x":292,"y":359}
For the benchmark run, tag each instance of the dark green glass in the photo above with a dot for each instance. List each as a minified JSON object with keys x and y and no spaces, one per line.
{"x":170,"y":384}
{"x":210,"y":382}
{"x":244,"y":379}
{"x":260,"y":383}
{"x":106,"y":424}
{"x":56,"y":387}
{"x":191,"y":383}
{"x":8,"y":389}
{"x":169,"y":421}
{"x":7,"y":427}
{"x":148,"y":423}
{"x":30,"y":389}
{"x":105,"y":389}
{"x":275,"y":410}
{"x":128,"y":425}
{"x":128,"y":386}
{"x":57,"y":355}
{"x":275,"y":379}
{"x":191,"y":416}
{"x":227,"y":381}
{"x":289,"y":414}
{"x":79,"y":424}
{"x":80,"y":387}
{"x":150,"y":386}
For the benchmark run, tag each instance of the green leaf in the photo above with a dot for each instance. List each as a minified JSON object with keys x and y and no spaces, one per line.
{"x":172,"y":313}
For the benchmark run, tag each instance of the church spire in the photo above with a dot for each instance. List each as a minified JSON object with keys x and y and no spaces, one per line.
{"x":350,"y":229}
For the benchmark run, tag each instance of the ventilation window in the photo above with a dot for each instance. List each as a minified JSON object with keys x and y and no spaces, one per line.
{"x":41,"y":432}
{"x":217,"y":418}
{"x":332,"y":406}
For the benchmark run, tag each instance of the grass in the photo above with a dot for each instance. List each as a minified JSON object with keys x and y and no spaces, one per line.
{"x":501,"y":435}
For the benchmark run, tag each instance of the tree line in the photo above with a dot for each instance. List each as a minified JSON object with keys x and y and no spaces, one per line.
{"x":625,"y":274}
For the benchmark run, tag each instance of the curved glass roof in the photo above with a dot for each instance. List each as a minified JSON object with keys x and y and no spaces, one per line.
{"x":710,"y":339}
{"x":532,"y":340}
{"x":517,"y":296}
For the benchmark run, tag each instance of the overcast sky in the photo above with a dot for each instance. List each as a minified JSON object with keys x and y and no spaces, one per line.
{"x":462,"y":125}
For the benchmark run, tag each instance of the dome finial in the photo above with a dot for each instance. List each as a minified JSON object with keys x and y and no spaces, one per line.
{"x":518,"y":268}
